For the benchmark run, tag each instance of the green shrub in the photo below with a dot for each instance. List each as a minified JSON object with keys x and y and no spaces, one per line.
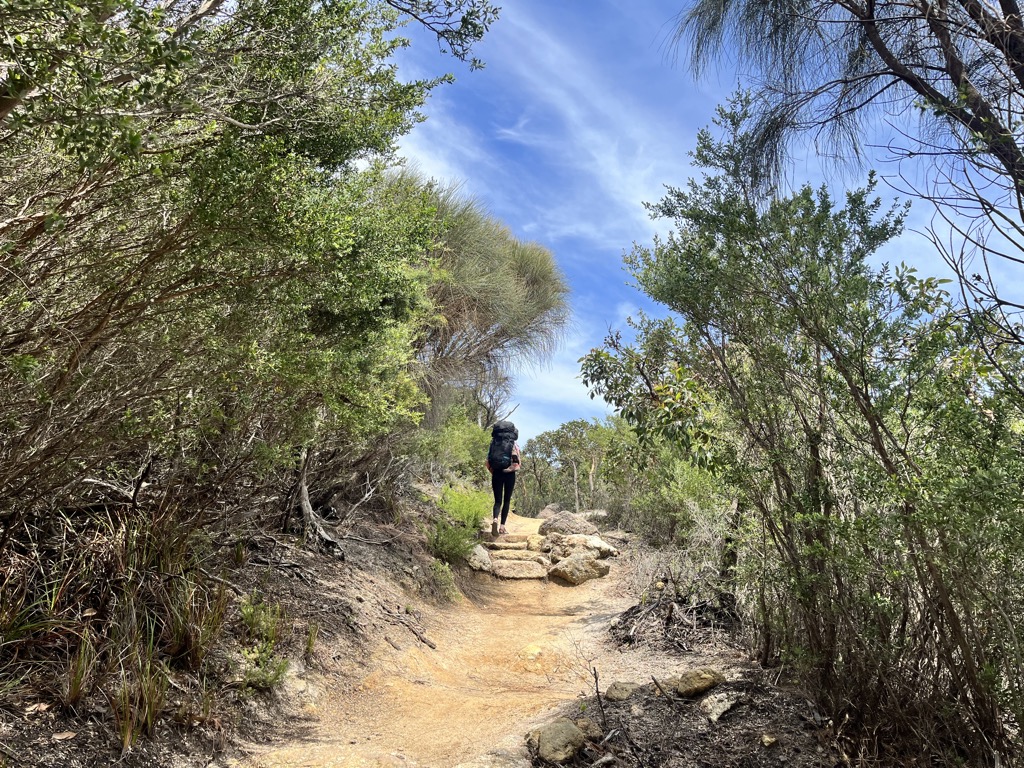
{"x":450,"y":543}
{"x":457,"y":449}
{"x":466,"y":506}
{"x":454,"y":533}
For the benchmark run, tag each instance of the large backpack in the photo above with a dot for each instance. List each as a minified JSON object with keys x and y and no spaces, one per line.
{"x":503,"y":440}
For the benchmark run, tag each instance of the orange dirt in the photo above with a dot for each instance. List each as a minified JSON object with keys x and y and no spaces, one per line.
{"x":504,"y":661}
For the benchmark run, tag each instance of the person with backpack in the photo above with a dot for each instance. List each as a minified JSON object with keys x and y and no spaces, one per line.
{"x":503,"y":461}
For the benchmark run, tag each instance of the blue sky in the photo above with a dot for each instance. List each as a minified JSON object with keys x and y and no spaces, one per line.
{"x":582,"y":114}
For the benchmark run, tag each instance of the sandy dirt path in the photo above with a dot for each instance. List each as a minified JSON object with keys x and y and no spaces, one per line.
{"x":504,"y":660}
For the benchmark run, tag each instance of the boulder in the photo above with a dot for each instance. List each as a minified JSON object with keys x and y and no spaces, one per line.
{"x":590,"y":729}
{"x":566,"y":546}
{"x":557,"y":741}
{"x":549,"y":511}
{"x":697,"y":681}
{"x":579,"y":568}
{"x":566,"y":522}
{"x":479,"y":559}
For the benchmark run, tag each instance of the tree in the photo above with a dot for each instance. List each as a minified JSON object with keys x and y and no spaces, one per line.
{"x":501,"y":304}
{"x":948,"y":76}
{"x":210,"y":290}
{"x":861,"y":430}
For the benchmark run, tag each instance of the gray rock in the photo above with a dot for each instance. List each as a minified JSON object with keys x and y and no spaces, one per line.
{"x":717,"y":704}
{"x":479,"y":559}
{"x":579,"y":568}
{"x":549,"y":511}
{"x":566,"y":522}
{"x":557,"y":741}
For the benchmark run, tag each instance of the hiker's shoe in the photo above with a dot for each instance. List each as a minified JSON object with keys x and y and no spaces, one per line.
{"x":494,"y":528}
{"x":502,"y":530}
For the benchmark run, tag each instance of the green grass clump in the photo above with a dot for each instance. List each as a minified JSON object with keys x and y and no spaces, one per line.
{"x":264,"y":623}
{"x":454,"y":534}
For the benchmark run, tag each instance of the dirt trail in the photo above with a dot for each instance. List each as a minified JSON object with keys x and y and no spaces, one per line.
{"x":503,"y":661}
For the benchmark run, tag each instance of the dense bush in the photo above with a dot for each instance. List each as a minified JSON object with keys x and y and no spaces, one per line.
{"x":211,"y":289}
{"x":875,"y":451}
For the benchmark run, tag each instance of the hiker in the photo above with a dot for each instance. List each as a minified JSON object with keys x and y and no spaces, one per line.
{"x":503,"y":461}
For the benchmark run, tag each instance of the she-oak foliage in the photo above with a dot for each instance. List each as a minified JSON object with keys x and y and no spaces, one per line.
{"x":875,"y":455}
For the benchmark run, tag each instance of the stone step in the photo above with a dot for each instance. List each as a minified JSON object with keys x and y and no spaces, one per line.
{"x":500,"y":545}
{"x":520,"y":554}
{"x":513,"y":537}
{"x":518,"y":569}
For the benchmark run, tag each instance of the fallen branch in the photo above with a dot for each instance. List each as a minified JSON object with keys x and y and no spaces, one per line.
{"x":600,"y":703}
{"x":218,"y":580}
{"x":670,"y":699}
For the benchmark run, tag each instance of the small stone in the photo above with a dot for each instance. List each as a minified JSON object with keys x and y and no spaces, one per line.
{"x":698,"y":681}
{"x":769,"y":740}
{"x":717,"y":704}
{"x":619,"y":691}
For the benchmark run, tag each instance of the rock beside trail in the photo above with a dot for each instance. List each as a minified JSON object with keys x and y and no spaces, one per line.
{"x":563,"y":546}
{"x":479,"y":559}
{"x":549,"y":511}
{"x":619,"y":691}
{"x":566,"y":522}
{"x":694,"y":682}
{"x":557,"y":741}
{"x":499,"y":758}
{"x":591,"y":730}
{"x":717,"y":704}
{"x":579,"y":568}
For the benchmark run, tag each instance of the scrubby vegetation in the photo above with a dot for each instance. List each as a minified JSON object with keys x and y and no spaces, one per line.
{"x":872,"y":449}
{"x":223,"y":309}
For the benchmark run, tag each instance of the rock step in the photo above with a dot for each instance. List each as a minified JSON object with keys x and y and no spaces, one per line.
{"x":504,"y":545}
{"x":518,"y":569}
{"x":520,"y":554}
{"x":515,"y":537}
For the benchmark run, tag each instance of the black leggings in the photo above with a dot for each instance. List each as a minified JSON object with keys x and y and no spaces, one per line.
{"x":502,"y":483}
